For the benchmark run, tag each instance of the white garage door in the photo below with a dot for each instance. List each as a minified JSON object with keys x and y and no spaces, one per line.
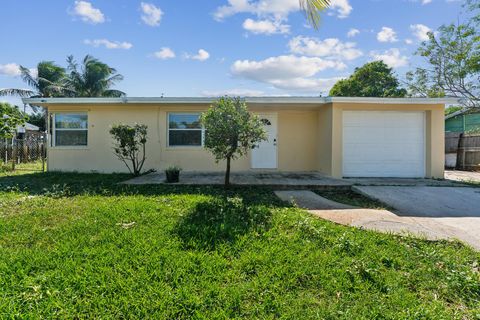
{"x":383,"y":144}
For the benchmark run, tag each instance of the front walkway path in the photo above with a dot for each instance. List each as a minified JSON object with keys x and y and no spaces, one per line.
{"x":300,"y":180}
{"x":430,"y":228}
{"x":282,"y":180}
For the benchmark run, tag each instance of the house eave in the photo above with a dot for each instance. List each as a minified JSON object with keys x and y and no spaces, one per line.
{"x":252,"y":100}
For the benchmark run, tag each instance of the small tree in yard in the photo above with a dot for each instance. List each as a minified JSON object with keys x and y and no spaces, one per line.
{"x":10,"y":118}
{"x":231,"y":131}
{"x":130,"y":144}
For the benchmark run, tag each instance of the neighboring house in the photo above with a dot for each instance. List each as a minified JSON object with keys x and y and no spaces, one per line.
{"x":463,"y":121}
{"x":26,"y":130}
{"x":340,"y":137}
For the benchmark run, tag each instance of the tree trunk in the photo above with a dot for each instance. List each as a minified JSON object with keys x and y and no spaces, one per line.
{"x":227,"y":174}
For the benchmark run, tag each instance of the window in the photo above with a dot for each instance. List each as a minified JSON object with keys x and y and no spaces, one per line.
{"x":70,"y":129}
{"x":184,"y":130}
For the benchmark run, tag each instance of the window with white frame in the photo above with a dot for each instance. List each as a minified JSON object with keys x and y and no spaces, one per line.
{"x":70,"y":129}
{"x":185,"y":130}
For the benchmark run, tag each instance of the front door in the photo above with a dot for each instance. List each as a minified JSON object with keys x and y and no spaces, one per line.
{"x":264,"y":155}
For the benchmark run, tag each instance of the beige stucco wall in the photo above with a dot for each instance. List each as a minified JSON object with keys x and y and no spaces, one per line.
{"x":297,"y":147}
{"x":435,"y":133}
{"x":309,"y":138}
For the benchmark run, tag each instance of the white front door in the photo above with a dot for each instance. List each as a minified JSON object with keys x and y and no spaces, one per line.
{"x":264,"y":155}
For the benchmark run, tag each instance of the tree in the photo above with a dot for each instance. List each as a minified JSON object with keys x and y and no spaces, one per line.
{"x":374,"y":79}
{"x":10,"y":118}
{"x":129,"y":145}
{"x":92,"y":78}
{"x":231,"y":131}
{"x":452,"y":66}
{"x":312,"y":8}
{"x":47,"y":82}
{"x":452,"y":109}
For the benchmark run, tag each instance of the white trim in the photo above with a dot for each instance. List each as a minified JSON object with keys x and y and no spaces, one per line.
{"x":191,"y":129}
{"x":54,"y":130}
{"x":253,"y":100}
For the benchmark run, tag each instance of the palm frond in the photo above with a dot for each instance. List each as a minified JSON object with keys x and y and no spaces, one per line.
{"x":114,"y":93}
{"x":312,"y":9}
{"x":28,"y":78}
{"x":23,"y":93}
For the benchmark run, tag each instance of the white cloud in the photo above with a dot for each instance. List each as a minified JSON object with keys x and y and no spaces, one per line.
{"x":288,"y":72}
{"x":420,"y":31}
{"x":236,"y":92}
{"x":426,"y":1}
{"x":331,"y":48}
{"x":279,"y":9}
{"x":353,"y":32}
{"x":151,"y":14}
{"x":408,"y":41}
{"x":88,"y":13}
{"x":316,"y":85}
{"x":391,"y":57}
{"x":10,"y":69}
{"x":267,"y":26}
{"x":202,"y":55}
{"x":165,"y":53}
{"x":341,"y":7}
{"x":387,"y":35}
{"x":13,"y":70}
{"x":108,"y":44}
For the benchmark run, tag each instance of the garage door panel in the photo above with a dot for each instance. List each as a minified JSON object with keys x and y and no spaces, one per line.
{"x":383,"y":144}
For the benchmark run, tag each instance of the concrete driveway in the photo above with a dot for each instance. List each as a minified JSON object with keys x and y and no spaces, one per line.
{"x":451,"y":210}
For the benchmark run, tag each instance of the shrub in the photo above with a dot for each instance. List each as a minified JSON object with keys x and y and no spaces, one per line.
{"x":129,"y":145}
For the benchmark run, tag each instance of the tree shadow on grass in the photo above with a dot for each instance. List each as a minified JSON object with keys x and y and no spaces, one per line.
{"x":61,"y":185}
{"x":221,"y":221}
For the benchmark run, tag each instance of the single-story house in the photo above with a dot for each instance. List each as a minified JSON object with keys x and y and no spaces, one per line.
{"x":463,"y":121}
{"x":340,"y":137}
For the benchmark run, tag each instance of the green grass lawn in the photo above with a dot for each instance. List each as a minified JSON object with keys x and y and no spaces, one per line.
{"x":82,"y":246}
{"x":352,"y":198}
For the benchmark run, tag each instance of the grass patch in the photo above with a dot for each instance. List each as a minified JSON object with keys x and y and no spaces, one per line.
{"x":83,"y":246}
{"x":352,"y":198}
{"x":21,"y":168}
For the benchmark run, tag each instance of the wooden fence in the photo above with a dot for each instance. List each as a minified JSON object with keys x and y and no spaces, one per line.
{"x":462,"y":151}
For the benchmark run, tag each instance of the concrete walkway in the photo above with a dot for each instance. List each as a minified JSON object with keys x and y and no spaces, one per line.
{"x":280,"y":180}
{"x":380,"y":220}
{"x":310,"y":200}
{"x":284,"y":180}
{"x":462,"y":176}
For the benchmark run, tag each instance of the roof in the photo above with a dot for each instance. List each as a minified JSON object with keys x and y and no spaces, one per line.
{"x":457,"y":113}
{"x":29,"y":127}
{"x":207,"y":100}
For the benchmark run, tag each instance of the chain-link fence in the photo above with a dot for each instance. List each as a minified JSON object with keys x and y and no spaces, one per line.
{"x":16,"y":152}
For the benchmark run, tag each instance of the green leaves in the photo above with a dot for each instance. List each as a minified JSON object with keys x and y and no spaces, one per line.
{"x":231,"y":130}
{"x":312,"y":8}
{"x":130,"y":144}
{"x":10,"y":118}
{"x":92,"y":78}
{"x":374,"y":79}
{"x":452,"y":55}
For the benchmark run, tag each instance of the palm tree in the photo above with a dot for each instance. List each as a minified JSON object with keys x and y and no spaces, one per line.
{"x":48,"y":82}
{"x":312,"y":8}
{"x":92,"y":78}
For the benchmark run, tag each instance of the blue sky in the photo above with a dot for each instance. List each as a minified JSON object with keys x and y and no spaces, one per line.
{"x":215,"y":47}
